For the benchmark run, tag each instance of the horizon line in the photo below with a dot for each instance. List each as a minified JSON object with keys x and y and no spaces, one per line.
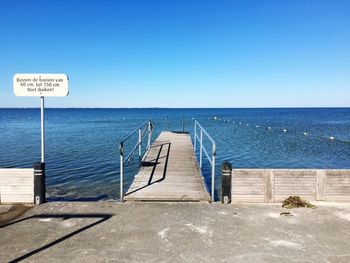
{"x":274,"y":107}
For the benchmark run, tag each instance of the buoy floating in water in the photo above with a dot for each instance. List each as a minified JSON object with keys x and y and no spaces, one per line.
{"x":284,"y":130}
{"x":257,"y":126}
{"x":331,"y":138}
{"x":305,"y":133}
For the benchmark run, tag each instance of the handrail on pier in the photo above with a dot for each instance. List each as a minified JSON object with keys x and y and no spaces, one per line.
{"x":202,"y":149}
{"x":144,"y":130}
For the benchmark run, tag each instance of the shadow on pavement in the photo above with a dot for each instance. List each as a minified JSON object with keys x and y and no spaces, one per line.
{"x":101,"y":218}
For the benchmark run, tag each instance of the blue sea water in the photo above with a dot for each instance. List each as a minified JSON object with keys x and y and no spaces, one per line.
{"x":82,"y":145}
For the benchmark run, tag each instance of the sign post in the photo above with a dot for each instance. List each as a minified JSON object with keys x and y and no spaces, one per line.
{"x":40,"y":85}
{"x":42,"y":118}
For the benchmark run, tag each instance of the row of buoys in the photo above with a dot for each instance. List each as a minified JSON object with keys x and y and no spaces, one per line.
{"x":269,"y":127}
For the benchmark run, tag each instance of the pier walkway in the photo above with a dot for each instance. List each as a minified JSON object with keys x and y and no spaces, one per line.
{"x":169,"y":172}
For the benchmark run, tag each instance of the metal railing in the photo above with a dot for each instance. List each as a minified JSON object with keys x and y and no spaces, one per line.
{"x":171,"y":123}
{"x":144,"y":130}
{"x":202,"y":149}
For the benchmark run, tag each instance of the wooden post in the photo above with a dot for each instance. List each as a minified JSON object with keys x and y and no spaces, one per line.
{"x":39,"y":183}
{"x":270,"y":186}
{"x":226,"y":182}
{"x":320,"y":185}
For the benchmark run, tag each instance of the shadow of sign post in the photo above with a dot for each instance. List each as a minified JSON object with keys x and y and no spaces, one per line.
{"x":100,"y":216}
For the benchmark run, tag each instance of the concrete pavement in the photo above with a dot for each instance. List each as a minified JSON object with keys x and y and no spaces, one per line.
{"x":177,"y":232}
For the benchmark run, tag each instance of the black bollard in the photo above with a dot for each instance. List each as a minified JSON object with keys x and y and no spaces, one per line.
{"x":226,"y":182}
{"x":39,"y":183}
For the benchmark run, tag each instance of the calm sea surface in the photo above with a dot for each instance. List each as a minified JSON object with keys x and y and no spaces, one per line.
{"x":82,"y":156}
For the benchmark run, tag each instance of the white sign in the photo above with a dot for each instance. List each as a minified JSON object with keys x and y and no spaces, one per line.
{"x":40,"y":85}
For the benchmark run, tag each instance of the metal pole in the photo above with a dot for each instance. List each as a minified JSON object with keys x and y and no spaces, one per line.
{"x":213,"y":173}
{"x":140,"y":137}
{"x":149,"y":135}
{"x":195,"y":137}
{"x":42,"y":130}
{"x":200,"y":147}
{"x":183,"y":123}
{"x":121,"y":172}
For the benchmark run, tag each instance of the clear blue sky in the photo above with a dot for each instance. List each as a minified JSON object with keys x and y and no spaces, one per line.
{"x":173,"y":53}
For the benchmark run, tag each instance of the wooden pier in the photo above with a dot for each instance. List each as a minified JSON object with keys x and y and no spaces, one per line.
{"x":169,"y":172}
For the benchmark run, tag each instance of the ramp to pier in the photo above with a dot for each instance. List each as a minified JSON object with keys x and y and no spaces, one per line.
{"x":169,"y":172}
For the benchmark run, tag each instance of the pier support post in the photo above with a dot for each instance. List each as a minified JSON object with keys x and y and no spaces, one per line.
{"x":39,"y":183}
{"x":226,"y":182}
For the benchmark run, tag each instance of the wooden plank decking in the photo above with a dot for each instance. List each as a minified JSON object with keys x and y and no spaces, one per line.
{"x":17,"y":185}
{"x":170,"y":172}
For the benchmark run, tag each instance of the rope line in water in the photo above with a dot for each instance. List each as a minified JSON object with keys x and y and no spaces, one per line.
{"x":284,"y":130}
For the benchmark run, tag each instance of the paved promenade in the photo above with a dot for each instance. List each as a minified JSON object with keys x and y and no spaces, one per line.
{"x":176,"y":232}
